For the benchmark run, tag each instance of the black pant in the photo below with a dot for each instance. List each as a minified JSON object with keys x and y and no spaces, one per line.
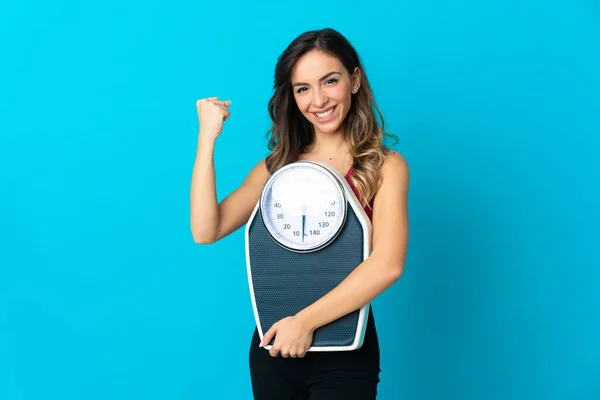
{"x":347,"y":375}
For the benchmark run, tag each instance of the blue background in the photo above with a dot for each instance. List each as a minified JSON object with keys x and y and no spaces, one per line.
{"x":103,"y":293}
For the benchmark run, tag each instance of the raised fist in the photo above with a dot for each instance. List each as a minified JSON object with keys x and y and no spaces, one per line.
{"x":212,"y":113}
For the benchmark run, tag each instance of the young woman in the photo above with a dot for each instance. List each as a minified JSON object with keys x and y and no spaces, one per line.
{"x":322,"y":109}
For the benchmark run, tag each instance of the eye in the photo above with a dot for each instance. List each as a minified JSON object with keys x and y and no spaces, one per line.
{"x":300,"y":90}
{"x":332,"y":80}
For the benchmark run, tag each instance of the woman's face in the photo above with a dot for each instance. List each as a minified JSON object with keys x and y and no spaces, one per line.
{"x":323,"y":90}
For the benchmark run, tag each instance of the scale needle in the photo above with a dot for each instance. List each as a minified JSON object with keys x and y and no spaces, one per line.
{"x":303,"y":219}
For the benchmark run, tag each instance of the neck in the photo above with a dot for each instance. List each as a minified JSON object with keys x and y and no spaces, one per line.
{"x":331,"y":143}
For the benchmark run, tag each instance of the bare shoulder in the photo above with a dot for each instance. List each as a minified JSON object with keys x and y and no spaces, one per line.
{"x":395,"y":169}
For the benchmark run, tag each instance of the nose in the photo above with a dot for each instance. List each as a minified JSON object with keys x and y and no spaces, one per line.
{"x":320,"y":99}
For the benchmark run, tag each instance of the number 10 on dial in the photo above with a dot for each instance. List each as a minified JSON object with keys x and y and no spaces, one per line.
{"x":303,"y":206}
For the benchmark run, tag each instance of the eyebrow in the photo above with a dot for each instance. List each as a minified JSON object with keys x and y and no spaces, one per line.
{"x":322,"y":78}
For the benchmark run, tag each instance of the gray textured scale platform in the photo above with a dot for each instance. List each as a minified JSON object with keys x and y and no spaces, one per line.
{"x":307,"y":233}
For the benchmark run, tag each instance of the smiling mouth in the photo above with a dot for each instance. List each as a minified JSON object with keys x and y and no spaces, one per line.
{"x":325,"y":114}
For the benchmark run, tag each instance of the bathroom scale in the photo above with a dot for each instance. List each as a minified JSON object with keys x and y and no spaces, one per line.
{"x":306,"y":234}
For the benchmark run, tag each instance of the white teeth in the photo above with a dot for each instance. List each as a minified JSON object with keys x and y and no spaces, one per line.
{"x":326,"y":113}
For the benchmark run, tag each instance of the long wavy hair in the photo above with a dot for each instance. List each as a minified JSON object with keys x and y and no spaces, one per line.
{"x":291,"y":131}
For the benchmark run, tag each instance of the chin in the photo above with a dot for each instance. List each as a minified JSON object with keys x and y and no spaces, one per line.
{"x":327,"y":128}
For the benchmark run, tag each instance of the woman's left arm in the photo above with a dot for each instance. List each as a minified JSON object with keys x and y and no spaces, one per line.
{"x":377,"y":273}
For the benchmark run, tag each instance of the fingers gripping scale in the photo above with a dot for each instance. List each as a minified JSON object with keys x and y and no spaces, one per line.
{"x":307,"y":233}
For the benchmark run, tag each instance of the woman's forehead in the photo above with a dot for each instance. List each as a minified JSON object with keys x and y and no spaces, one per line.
{"x":314,"y":65}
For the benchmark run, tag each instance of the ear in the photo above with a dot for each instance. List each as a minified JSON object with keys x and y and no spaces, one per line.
{"x":355,"y":80}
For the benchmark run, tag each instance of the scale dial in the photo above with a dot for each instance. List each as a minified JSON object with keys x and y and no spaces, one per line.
{"x":303,"y":206}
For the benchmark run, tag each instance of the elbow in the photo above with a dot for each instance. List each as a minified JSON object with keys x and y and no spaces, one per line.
{"x":394,"y":270}
{"x":390,"y":267}
{"x":203,"y":240}
{"x":201,"y":237}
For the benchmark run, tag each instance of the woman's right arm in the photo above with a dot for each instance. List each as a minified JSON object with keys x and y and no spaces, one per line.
{"x":210,"y":220}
